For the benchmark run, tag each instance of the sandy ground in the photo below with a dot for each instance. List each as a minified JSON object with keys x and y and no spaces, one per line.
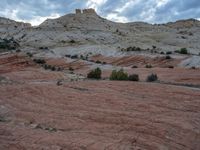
{"x":37,"y":114}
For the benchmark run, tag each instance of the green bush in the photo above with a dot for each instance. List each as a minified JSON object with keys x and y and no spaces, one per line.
{"x":39,"y":61}
{"x":53,"y":68}
{"x":18,"y":50}
{"x":133,"y":77}
{"x":183,"y":51}
{"x":153,"y":46}
{"x":72,"y":41}
{"x":94,"y":74}
{"x":71,"y":69}
{"x":98,"y":62}
{"x":162,"y":53}
{"x":74,"y":56}
{"x":46,"y":66}
{"x":134,"y":67}
{"x":169,"y":52}
{"x":148,"y":66}
{"x":171,"y":67}
{"x":177,"y":51}
{"x":29,"y":54}
{"x":131,"y":49}
{"x":118,"y":75}
{"x":152,"y":78}
{"x":68,"y":56}
{"x":168,"y":57}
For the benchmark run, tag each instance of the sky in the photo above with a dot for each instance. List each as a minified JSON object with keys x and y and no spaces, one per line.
{"x":151,"y":11}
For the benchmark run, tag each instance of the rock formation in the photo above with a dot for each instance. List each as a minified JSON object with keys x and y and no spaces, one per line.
{"x":85,"y":11}
{"x":78,"y":11}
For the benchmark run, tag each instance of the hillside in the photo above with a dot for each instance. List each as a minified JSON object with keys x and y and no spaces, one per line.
{"x":145,"y":94}
{"x":93,"y":32}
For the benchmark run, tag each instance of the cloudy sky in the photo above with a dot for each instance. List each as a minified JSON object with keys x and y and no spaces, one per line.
{"x":152,"y":11}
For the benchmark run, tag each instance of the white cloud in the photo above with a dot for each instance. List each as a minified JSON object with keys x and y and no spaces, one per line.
{"x":125,"y":6}
{"x":95,"y":3}
{"x":117,"y":18}
{"x":12,"y":14}
{"x":162,"y":2}
{"x":38,"y":19}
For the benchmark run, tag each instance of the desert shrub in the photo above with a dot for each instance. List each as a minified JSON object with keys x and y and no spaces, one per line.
{"x":193,"y":67}
{"x":71,"y":69}
{"x":63,"y":41}
{"x":82,"y":57}
{"x":68,"y":56}
{"x":3,"y":46}
{"x":98,"y":62}
{"x":134,"y":67}
{"x":183,"y":51}
{"x":177,"y":51}
{"x":59,"y":82}
{"x":168,"y":57}
{"x":162,"y":53}
{"x":39,"y":61}
{"x":183,"y":37}
{"x":152,"y":78}
{"x":148,"y":66}
{"x":171,"y":67}
{"x":50,"y":67}
{"x":18,"y":50}
{"x":118,"y":75}
{"x":153,"y":46}
{"x":41,"y":47}
{"x":59,"y":69}
{"x":169,"y":52}
{"x":2,"y":119}
{"x":133,"y":77}
{"x":190,"y":34}
{"x":131,"y":49}
{"x":9,"y":44}
{"x":29,"y":54}
{"x":46,"y":66}
{"x":74,"y":57}
{"x":72,"y":41}
{"x":94,"y":74}
{"x":53,"y":68}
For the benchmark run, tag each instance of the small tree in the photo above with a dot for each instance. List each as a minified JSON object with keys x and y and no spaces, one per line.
{"x":94,"y":74}
{"x":119,"y":75}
